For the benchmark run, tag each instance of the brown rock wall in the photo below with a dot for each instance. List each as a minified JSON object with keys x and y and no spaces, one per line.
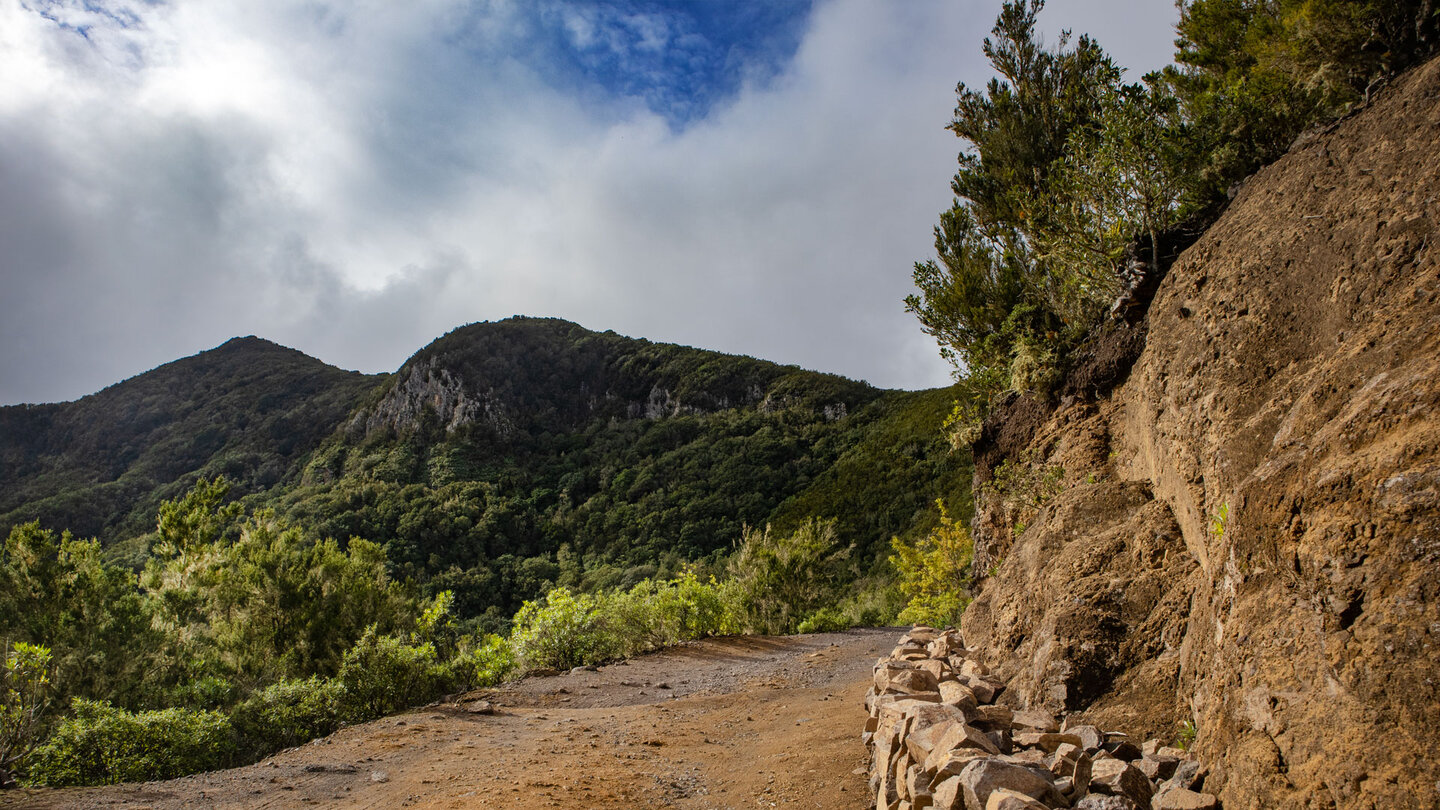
{"x":1248,"y":535}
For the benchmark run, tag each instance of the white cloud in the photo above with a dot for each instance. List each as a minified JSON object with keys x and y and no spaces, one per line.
{"x":353,"y":179}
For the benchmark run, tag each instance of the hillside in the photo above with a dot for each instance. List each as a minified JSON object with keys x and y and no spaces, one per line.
{"x":501,"y":457}
{"x":506,"y":455}
{"x":99,"y":466}
{"x":1242,"y":531}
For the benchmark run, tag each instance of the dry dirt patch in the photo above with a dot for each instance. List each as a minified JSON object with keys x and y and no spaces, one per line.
{"x":724,"y":723}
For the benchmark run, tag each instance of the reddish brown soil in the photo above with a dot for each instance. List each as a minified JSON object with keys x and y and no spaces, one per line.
{"x":724,"y":723}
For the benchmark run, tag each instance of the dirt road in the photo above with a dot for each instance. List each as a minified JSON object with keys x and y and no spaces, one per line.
{"x":723,"y":723}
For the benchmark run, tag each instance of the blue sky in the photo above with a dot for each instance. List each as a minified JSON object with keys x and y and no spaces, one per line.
{"x":679,"y":58}
{"x":354,"y":178}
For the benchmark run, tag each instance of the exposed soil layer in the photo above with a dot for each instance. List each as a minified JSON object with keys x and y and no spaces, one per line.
{"x":722,"y":723}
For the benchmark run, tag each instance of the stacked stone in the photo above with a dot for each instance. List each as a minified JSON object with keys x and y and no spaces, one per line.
{"x":937,"y":740}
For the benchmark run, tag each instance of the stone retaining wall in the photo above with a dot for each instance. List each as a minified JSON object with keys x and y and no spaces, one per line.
{"x":938,"y":739}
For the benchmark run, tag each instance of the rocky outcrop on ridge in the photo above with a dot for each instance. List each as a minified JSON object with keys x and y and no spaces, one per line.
{"x":938,"y":739}
{"x":1242,"y":533}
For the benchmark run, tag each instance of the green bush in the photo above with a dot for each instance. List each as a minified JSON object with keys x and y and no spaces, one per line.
{"x":288,"y":713}
{"x":656,"y":614}
{"x":781,"y":579}
{"x":825,"y":620}
{"x":24,"y":686}
{"x":101,"y":745}
{"x":563,"y":631}
{"x":480,"y":663}
{"x":935,"y":573}
{"x":383,"y":674}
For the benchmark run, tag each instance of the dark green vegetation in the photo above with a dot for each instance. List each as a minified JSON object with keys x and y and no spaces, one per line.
{"x":520,"y":494}
{"x":100,"y":466}
{"x":1069,"y":174}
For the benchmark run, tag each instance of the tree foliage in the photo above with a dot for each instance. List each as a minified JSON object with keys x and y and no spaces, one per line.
{"x":935,"y":573}
{"x":1251,"y":75}
{"x":271,"y":604}
{"x":781,"y":579}
{"x":24,"y":695}
{"x":1063,"y":166}
{"x":1002,"y":283}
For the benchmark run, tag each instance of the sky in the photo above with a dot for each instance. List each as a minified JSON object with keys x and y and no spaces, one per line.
{"x":354,"y":178}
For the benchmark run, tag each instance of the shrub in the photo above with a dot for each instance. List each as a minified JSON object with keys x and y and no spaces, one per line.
{"x":288,"y":713}
{"x":383,"y":674}
{"x":780,"y":579}
{"x":24,"y":686}
{"x":825,"y":620}
{"x":561,"y":632}
{"x":935,"y":573}
{"x":479,"y":663}
{"x":101,"y":744}
{"x":655,"y":614}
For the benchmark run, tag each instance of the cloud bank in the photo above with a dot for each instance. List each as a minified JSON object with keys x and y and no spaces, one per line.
{"x":356,"y":178}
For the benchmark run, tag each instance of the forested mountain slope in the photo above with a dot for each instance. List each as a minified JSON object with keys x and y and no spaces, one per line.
{"x":249,"y":409}
{"x":506,"y":455}
{"x":501,"y":457}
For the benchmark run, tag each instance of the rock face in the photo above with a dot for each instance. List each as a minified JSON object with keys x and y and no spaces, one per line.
{"x":927,"y":751}
{"x":1244,"y":533}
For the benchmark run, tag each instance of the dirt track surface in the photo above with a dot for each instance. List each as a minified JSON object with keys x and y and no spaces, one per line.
{"x":737,"y":722}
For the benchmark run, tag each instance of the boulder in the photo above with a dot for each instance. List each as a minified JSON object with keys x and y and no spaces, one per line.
{"x":1188,"y":775}
{"x":919,"y":634}
{"x":1047,"y":742}
{"x":1092,"y":739}
{"x":925,"y":715}
{"x":917,"y":786}
{"x":946,"y":644}
{"x":1157,"y":768}
{"x":953,"y":764}
{"x":984,"y":776}
{"x":1097,"y":801}
{"x":939,"y":669}
{"x":1182,"y":799}
{"x":1118,"y":778}
{"x":996,"y":717}
{"x":1080,"y":777}
{"x":948,"y":794}
{"x":1006,"y":799}
{"x":1123,"y":750}
{"x":1062,"y":762}
{"x":985,"y":690}
{"x":1034,"y":720}
{"x":919,"y":744}
{"x":893,"y":677}
{"x":958,"y":694}
{"x":957,"y":736}
{"x":881,"y":701}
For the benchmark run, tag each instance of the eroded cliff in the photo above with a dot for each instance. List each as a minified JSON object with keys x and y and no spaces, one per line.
{"x":1244,"y":533}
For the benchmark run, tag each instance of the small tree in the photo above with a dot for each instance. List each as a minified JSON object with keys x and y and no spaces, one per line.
{"x":935,"y":573}
{"x":24,"y":692}
{"x":782,"y":579}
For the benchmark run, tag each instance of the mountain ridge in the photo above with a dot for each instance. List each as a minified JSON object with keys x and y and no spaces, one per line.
{"x":501,"y":442}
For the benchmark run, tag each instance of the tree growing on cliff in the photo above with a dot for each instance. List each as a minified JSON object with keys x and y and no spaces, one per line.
{"x":994,"y":289}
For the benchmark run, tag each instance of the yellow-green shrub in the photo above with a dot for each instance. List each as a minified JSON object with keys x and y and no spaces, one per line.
{"x":935,"y":573}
